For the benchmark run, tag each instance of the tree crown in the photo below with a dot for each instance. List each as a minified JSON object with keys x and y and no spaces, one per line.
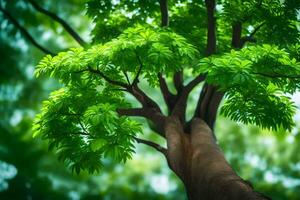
{"x":88,"y":119}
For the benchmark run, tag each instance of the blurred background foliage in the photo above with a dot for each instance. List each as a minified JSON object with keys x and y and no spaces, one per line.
{"x":270,"y":160}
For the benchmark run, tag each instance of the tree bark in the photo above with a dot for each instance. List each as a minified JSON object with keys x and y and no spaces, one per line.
{"x":198,"y":161}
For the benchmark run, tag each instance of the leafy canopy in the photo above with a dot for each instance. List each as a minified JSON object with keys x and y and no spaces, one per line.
{"x":81,"y":119}
{"x":256,"y":81}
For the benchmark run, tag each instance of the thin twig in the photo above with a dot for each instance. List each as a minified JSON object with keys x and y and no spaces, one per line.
{"x":136,"y":79}
{"x":127,"y":78}
{"x":106,"y":78}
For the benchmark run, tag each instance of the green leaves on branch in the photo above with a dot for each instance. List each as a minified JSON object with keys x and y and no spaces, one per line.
{"x":265,"y":108}
{"x":80,"y":120}
{"x":153,"y":50}
{"x":82,"y":124}
{"x":256,"y":80}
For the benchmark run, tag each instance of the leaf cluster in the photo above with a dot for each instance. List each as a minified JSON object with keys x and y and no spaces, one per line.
{"x":256,"y":81}
{"x":146,"y":49}
{"x":81,"y":122}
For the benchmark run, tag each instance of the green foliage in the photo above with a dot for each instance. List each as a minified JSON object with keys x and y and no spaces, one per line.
{"x":81,"y":119}
{"x":113,"y":17}
{"x":256,"y":81}
{"x":86,"y":131}
{"x":153,"y":50}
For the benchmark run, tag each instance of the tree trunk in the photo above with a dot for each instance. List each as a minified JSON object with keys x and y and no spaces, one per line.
{"x":199,"y":163}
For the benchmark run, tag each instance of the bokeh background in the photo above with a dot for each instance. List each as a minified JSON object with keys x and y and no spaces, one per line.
{"x":269,"y":160}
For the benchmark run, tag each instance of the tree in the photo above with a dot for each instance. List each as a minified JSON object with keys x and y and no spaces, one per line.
{"x":253,"y":69}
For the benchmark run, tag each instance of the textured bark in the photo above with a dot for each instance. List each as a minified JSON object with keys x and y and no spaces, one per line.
{"x":198,"y":161}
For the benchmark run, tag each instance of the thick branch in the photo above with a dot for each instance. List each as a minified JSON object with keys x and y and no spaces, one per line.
{"x":203,"y":102}
{"x":150,"y":108}
{"x":210,"y":97}
{"x":180,"y":107}
{"x":203,"y":109}
{"x":211,"y":27}
{"x":164,"y":12}
{"x":66,"y":26}
{"x":169,"y":98}
{"x":178,"y":81}
{"x":208,"y":104}
{"x":188,"y":88}
{"x":139,"y":94}
{"x":24,"y":31}
{"x":151,"y":114}
{"x":152,"y":144}
{"x":143,"y":98}
{"x":236,"y":35}
{"x":213,"y":108}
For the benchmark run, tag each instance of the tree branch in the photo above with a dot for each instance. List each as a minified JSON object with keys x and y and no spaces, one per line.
{"x":106,"y":78}
{"x":178,"y":81}
{"x":236,"y":35}
{"x":203,"y":102}
{"x":257,"y":29}
{"x":152,"y":144}
{"x":135,"y":112}
{"x":24,"y":31}
{"x":150,"y":108}
{"x":181,"y":103}
{"x":211,"y":27}
{"x":208,"y":104}
{"x":167,"y":95}
{"x":136,"y":79}
{"x":210,"y":97}
{"x":194,"y":82}
{"x":164,"y":12}
{"x":250,"y":38}
{"x":151,"y":114}
{"x":213,"y":106}
{"x":203,"y":109}
{"x":56,"y":18}
{"x":143,"y":98}
{"x":127,"y":78}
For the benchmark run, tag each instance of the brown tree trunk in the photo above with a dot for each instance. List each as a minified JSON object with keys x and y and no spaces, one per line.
{"x":199,"y":163}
